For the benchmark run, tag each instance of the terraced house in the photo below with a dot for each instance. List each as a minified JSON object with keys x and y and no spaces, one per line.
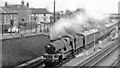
{"x":28,"y":18}
{"x":6,"y":16}
{"x":23,"y":10}
{"x":40,"y":15}
{"x":25,"y":13}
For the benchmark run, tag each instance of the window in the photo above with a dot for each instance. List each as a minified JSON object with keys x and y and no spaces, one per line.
{"x":44,"y":14}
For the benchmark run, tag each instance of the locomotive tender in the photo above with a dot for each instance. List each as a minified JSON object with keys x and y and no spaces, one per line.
{"x":67,"y":46}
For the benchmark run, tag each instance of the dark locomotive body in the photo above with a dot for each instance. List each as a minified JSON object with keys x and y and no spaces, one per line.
{"x":67,"y":46}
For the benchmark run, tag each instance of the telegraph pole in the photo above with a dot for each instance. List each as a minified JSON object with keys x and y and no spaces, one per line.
{"x":54,"y":11}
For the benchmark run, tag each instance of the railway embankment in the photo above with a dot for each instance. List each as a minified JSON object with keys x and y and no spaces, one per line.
{"x":17,"y":49}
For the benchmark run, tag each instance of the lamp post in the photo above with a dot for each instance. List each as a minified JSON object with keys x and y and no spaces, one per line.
{"x":2,"y":23}
{"x":94,"y":42}
{"x":54,"y":11}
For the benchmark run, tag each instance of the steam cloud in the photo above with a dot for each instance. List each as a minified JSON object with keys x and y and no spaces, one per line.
{"x":77,"y":22}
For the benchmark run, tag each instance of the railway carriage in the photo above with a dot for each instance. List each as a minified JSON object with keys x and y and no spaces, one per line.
{"x":112,"y":30}
{"x":111,"y":27}
{"x":90,"y":36}
{"x":102,"y":31}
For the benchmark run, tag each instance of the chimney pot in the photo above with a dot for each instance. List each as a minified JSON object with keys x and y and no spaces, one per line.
{"x":6,"y":4}
{"x":22,"y":2}
{"x":27,"y":4}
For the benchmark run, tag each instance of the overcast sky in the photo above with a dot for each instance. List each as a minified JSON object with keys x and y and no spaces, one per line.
{"x":105,"y":6}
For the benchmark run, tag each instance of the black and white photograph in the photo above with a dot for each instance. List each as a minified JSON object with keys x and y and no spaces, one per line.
{"x":59,"y":33}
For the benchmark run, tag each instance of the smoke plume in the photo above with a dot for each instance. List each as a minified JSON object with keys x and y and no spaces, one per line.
{"x":77,"y":23}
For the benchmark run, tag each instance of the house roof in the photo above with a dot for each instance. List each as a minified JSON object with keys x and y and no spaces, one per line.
{"x":17,"y":7}
{"x":6,"y":10}
{"x":40,"y":11}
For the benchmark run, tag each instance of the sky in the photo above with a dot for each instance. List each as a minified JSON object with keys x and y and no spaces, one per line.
{"x":104,"y":6}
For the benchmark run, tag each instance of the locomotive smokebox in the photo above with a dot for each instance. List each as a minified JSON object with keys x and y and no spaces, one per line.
{"x":50,"y":49}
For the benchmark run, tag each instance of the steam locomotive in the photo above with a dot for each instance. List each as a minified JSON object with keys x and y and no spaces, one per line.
{"x":65,"y":47}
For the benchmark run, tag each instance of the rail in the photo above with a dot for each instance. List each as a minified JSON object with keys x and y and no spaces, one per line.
{"x":115,"y":64}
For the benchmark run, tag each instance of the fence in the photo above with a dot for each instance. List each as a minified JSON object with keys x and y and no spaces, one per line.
{"x":24,"y":28}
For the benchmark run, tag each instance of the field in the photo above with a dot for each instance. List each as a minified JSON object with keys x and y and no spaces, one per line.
{"x":17,"y":51}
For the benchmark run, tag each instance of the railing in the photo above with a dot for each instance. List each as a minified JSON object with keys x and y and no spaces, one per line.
{"x":24,"y":28}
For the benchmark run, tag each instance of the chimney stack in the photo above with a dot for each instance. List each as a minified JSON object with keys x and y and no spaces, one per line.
{"x":22,"y":2}
{"x":6,"y":4}
{"x":27,"y":4}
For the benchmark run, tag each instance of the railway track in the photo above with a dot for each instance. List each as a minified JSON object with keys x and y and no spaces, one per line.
{"x":93,"y":60}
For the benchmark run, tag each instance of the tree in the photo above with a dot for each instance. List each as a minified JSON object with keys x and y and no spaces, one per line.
{"x":80,"y":10}
{"x":68,"y":12}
